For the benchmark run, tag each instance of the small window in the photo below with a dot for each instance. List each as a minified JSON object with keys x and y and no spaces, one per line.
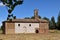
{"x":29,"y":24}
{"x":18,"y":24}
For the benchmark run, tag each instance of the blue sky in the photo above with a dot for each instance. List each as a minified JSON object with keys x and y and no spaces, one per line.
{"x":47,"y":8}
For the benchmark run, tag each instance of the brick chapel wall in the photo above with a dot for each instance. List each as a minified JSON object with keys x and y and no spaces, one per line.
{"x":25,"y":28}
{"x":44,"y":28}
{"x":9,"y":28}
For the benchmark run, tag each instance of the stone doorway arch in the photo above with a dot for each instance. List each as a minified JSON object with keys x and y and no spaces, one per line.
{"x":36,"y":30}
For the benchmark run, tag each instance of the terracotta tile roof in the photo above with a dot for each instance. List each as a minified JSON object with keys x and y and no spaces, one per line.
{"x":28,"y":20}
{"x":25,"y":20}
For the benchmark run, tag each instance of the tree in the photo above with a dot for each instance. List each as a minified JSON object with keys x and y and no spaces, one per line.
{"x":53,"y":24}
{"x":11,"y":4}
{"x":34,"y":17}
{"x":26,"y":18}
{"x":14,"y":17}
{"x":58,"y":21}
{"x":45,"y":18}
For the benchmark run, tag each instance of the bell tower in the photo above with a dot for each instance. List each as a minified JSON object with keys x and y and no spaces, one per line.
{"x":36,"y":13}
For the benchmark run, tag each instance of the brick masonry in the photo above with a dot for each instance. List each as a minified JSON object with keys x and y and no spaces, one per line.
{"x":10,"y":28}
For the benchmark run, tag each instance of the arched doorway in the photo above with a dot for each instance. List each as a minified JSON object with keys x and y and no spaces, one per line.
{"x":36,"y":31}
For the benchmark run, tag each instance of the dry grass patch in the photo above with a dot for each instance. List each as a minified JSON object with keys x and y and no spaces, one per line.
{"x":49,"y":36}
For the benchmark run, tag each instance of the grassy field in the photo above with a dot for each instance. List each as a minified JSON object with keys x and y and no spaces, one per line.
{"x":52,"y":35}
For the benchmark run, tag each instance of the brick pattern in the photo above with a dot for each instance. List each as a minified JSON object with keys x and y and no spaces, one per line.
{"x":43,"y":28}
{"x":10,"y":28}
